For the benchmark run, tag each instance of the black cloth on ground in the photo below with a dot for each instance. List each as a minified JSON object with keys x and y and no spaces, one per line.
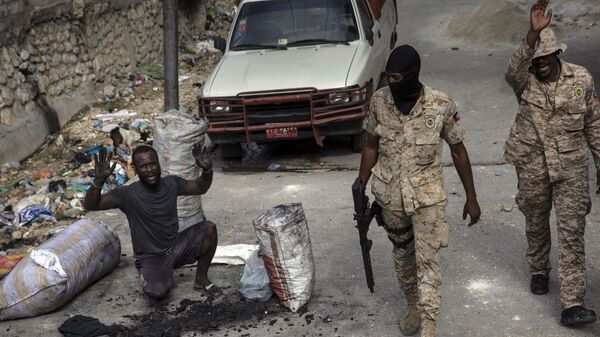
{"x":84,"y":326}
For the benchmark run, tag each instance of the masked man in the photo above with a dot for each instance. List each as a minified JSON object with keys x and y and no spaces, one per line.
{"x":406,"y":124}
{"x":558,"y":116}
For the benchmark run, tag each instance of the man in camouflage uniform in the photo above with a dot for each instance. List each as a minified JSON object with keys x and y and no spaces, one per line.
{"x":558,"y":115}
{"x":406,"y":124}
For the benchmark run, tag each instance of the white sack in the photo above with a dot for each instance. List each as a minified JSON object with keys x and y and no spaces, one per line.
{"x":86,"y":251}
{"x":175,"y":134}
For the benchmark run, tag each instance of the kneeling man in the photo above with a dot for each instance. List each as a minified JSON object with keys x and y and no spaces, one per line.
{"x":151,"y":209}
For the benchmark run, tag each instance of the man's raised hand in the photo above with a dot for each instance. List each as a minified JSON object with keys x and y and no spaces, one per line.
{"x":102,"y":166}
{"x":539,"y":18}
{"x":202,"y":157}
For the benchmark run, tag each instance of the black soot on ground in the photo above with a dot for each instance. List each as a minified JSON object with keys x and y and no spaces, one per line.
{"x":232,"y":315}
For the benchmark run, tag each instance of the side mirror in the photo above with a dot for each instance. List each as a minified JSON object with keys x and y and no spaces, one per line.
{"x":220,"y":43}
{"x":370,"y":36}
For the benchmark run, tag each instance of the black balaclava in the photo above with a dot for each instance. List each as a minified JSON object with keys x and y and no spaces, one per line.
{"x":405,"y":60}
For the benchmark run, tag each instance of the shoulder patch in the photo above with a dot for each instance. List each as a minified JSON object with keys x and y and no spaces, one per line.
{"x":578,"y":90}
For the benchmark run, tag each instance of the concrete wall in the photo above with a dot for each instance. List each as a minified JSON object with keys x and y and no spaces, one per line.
{"x":58,"y":55}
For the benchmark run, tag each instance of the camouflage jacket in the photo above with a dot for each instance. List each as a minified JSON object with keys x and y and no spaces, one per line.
{"x":408,"y":174}
{"x":551,"y":129}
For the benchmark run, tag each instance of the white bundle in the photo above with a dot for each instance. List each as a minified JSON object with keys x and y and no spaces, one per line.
{"x":175,"y":134}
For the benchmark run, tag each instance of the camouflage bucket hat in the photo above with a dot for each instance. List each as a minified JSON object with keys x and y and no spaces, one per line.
{"x":548,"y":45}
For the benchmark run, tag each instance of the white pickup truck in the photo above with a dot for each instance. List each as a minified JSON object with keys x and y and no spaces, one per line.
{"x":295,"y":69}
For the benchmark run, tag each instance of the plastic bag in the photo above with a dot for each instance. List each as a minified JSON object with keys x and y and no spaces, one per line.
{"x":86,"y":251}
{"x":48,"y":260}
{"x":31,"y":214}
{"x":287,"y":253}
{"x":233,"y":254}
{"x":7,"y":263}
{"x":255,"y":284}
{"x":175,"y":134}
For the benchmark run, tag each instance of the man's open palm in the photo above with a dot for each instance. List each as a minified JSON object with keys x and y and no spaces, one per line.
{"x":102,"y":165}
{"x":202,"y":157}
{"x":539,"y":18}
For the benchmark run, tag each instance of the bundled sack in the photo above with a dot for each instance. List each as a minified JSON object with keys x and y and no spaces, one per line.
{"x":287,"y":253}
{"x":175,"y":134}
{"x":255,"y":284}
{"x":59,"y":269}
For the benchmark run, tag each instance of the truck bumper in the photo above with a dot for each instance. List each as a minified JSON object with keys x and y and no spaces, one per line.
{"x":310,"y":113}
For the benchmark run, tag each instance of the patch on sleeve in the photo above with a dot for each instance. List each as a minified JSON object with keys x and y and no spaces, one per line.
{"x":456,"y":117}
{"x":578,"y":90}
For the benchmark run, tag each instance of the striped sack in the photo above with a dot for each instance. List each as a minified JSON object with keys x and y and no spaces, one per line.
{"x":86,"y":250}
{"x":287,"y":253}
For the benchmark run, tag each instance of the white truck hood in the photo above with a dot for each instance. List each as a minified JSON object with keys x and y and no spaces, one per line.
{"x":321,"y":67}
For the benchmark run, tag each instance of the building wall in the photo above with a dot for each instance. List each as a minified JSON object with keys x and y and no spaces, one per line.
{"x":56,"y":56}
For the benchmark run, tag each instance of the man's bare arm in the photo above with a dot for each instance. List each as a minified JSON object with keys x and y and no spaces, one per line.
{"x":369,"y":157}
{"x":462,"y":163}
{"x":200,"y":185}
{"x":94,"y":201}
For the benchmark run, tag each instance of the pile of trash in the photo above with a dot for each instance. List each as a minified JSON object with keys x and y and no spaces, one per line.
{"x":42,"y":195}
{"x":39,"y":198}
{"x":219,"y":15}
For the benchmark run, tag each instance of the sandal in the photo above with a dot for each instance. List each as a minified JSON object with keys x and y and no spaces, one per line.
{"x":211,"y":290}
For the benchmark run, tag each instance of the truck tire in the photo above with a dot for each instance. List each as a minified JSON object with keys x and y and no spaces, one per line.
{"x":358,"y":141}
{"x":231,"y":151}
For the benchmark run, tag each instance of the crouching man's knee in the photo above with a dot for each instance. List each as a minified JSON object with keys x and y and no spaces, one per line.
{"x":210,"y":230}
{"x":157,"y":293}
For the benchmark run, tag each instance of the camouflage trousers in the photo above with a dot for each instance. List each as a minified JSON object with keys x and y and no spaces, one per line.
{"x":571,"y":199}
{"x":417,"y":239}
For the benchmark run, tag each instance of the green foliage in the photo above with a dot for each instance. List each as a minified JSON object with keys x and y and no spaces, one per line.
{"x":154,"y":71}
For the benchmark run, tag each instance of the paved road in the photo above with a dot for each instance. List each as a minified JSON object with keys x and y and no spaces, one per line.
{"x":485,"y":282}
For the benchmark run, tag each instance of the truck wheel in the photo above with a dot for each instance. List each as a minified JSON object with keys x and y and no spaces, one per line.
{"x":231,"y":151}
{"x":358,"y":141}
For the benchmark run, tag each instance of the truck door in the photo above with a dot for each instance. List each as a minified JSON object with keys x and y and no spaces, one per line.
{"x":372,"y":30}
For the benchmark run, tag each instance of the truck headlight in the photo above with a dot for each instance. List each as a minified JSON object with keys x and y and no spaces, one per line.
{"x":220,"y":107}
{"x":339,"y":98}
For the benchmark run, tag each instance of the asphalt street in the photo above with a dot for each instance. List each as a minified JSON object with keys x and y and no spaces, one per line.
{"x":485,"y":274}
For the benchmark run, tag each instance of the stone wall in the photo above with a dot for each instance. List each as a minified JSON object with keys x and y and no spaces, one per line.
{"x":57,"y":56}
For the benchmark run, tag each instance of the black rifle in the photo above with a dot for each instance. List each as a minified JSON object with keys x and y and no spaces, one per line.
{"x":363,"y":216}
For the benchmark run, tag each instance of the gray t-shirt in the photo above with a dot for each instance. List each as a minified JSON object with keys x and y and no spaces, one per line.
{"x":152,"y":214}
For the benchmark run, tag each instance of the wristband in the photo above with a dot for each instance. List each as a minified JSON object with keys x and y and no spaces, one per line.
{"x":96,"y":186}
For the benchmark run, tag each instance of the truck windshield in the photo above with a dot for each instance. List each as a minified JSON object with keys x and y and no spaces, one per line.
{"x":282,"y":23}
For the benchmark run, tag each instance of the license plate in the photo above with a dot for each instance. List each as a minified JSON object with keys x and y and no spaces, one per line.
{"x":278,"y":133}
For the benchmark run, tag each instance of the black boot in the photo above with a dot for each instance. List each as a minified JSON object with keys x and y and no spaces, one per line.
{"x":577,"y":315}
{"x":539,"y":284}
